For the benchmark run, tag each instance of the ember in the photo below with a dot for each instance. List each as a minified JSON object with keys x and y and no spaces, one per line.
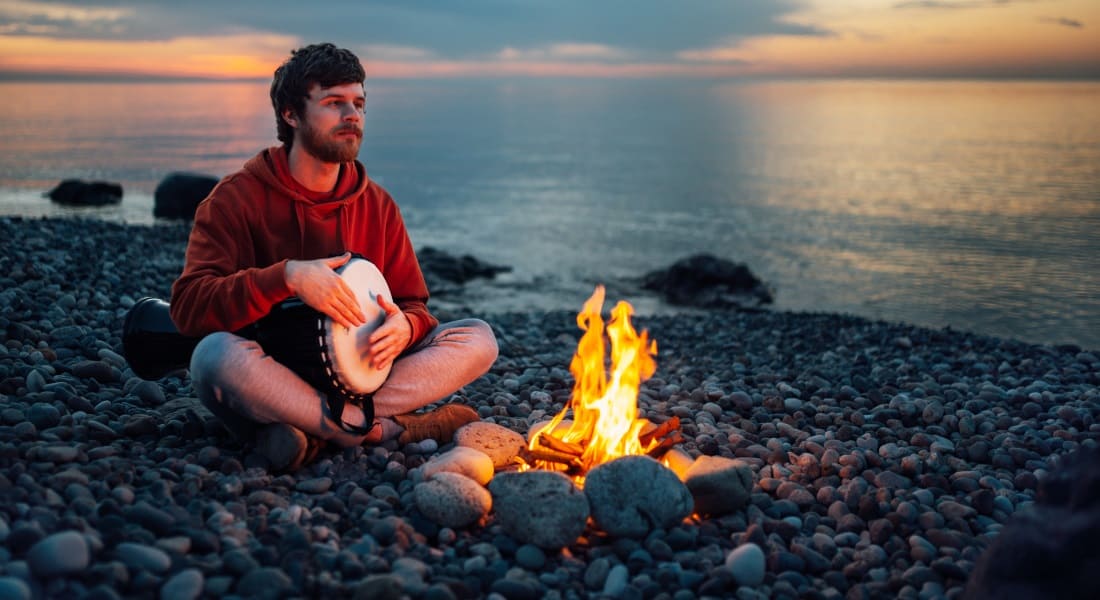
{"x":605,"y":423}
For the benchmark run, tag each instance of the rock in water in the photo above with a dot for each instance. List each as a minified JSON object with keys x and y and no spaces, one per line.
{"x":1050,"y":551}
{"x":75,"y":192}
{"x":452,"y":500}
{"x":706,"y":281}
{"x":179,"y":194}
{"x":543,"y":508}
{"x":632,"y":495}
{"x":719,"y":485}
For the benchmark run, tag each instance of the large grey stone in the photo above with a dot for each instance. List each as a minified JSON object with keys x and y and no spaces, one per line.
{"x":452,"y":500}
{"x":499,"y":443}
{"x":719,"y":485}
{"x":543,"y":508}
{"x":632,"y":495}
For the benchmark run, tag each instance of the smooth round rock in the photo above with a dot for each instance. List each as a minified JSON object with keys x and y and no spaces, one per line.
{"x":719,"y":485}
{"x":471,"y":462}
{"x":452,"y":500}
{"x":140,"y":556}
{"x":632,"y":495}
{"x":63,"y":553}
{"x":185,"y":585}
{"x":543,"y":508}
{"x":746,"y":564}
{"x":13,"y":588}
{"x":501,"y":444}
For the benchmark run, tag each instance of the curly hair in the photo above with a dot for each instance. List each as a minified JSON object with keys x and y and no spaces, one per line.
{"x":322,"y":64}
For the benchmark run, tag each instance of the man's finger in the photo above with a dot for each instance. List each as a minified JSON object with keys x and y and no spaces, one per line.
{"x":347,"y":299}
{"x":337,"y":261}
{"x":388,"y":306}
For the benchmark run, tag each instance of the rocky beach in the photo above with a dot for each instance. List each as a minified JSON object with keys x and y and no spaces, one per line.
{"x":887,"y":460}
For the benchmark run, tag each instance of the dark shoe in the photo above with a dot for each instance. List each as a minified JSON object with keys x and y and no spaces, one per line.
{"x":439,"y":424}
{"x":286,"y":447}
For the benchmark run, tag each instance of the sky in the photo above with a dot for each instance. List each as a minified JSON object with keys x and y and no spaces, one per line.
{"x":234,"y":39}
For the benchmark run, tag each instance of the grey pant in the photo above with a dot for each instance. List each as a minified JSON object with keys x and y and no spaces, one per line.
{"x":245,"y":387}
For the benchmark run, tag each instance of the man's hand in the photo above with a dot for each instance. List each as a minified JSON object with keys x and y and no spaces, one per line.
{"x":316,"y":283}
{"x":391,"y":338}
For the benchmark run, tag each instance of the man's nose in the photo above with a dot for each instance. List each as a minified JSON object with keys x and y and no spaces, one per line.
{"x":352,"y":113}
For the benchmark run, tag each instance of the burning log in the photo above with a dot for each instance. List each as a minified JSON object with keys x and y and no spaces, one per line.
{"x":553,"y":443}
{"x":665,"y":445}
{"x":660,"y":431}
{"x":566,"y":460}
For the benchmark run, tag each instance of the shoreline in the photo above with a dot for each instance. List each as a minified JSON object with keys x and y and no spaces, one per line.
{"x":886,"y":457}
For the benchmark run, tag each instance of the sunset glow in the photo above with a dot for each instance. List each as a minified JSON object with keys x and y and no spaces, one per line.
{"x":980,"y":38}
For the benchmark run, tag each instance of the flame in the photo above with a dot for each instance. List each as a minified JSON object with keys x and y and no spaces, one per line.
{"x":605,"y":409}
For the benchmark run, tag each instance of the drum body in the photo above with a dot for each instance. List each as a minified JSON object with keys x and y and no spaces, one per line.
{"x":327,"y":355}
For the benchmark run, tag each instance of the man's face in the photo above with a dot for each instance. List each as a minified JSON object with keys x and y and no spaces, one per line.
{"x":331,"y":127}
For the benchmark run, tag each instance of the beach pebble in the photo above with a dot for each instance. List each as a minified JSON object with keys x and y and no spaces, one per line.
{"x":632,"y":495}
{"x":265,"y":582}
{"x":719,"y":485}
{"x":452,"y":500}
{"x":140,"y":556}
{"x":499,"y":443}
{"x":463,"y":460}
{"x":543,"y":508}
{"x":13,"y":588}
{"x":64,"y":553}
{"x":746,"y":564}
{"x":185,"y":585}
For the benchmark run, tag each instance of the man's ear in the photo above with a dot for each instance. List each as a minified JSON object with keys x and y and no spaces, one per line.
{"x":290,"y":118}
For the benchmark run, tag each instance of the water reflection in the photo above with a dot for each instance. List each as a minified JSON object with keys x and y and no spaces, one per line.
{"x":971,"y":204}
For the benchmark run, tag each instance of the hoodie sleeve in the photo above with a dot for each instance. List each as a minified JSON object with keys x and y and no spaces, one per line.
{"x":403,"y":274}
{"x":220,"y":289}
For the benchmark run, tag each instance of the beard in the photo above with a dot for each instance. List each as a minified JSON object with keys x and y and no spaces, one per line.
{"x":327,"y":149}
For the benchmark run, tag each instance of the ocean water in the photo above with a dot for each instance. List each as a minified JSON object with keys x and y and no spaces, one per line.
{"x":969,"y":204}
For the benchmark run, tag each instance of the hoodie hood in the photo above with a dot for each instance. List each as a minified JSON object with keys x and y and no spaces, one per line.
{"x":322,"y":217}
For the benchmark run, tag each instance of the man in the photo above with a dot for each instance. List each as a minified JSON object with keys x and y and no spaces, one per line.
{"x":278,"y":229}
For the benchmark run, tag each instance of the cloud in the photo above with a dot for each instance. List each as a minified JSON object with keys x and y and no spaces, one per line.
{"x":471,"y":29}
{"x":956,"y":4}
{"x":564,"y":51}
{"x":1063,"y":21}
{"x":26,"y":17}
{"x":935,"y":4}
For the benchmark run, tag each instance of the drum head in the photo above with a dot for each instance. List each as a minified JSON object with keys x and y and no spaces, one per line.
{"x":349,"y":348}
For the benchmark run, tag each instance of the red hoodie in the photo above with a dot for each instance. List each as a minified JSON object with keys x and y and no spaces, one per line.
{"x":258,"y":218}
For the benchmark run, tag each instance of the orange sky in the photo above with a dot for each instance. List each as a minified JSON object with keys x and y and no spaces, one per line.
{"x":1045,"y":38}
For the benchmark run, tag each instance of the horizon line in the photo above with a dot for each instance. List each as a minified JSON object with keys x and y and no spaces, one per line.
{"x":83,"y":77}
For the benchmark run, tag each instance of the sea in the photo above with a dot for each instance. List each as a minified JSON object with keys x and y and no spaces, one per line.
{"x":973,"y":205}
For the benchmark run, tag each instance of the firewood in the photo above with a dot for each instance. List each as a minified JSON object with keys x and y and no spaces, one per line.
{"x":560,"y":458}
{"x":553,"y":443}
{"x":661,"y":431}
{"x":665,"y":445}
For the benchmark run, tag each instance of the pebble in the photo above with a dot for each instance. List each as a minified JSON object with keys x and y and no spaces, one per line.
{"x":499,"y":443}
{"x":931,"y":441}
{"x":631,"y":495}
{"x":746,"y":564}
{"x":140,"y":556}
{"x":185,"y":585}
{"x":453,"y":500}
{"x":64,"y":553}
{"x":463,"y":460}
{"x":718,"y":485}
